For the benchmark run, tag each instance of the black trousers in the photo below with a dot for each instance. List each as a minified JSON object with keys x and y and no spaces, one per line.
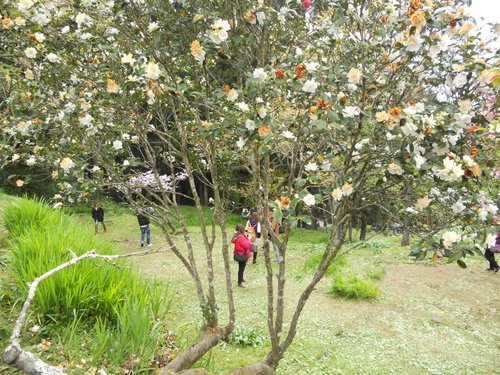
{"x":241,"y":269}
{"x":491,"y":258}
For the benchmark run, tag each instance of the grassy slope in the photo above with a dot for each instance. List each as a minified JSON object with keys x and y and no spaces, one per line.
{"x":438,"y":320}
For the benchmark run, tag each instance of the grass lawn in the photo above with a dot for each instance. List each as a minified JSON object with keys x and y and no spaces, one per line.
{"x":429,"y":319}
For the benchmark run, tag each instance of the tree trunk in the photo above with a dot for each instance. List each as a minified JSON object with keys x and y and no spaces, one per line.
{"x":253,"y":369}
{"x":362,"y":230}
{"x":405,"y":240}
{"x":314,"y":218}
{"x":205,"y":194}
{"x":210,"y":337}
{"x":350,"y":231}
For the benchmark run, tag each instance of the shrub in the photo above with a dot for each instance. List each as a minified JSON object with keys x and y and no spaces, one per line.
{"x":354,"y":287}
{"x":246,"y":336}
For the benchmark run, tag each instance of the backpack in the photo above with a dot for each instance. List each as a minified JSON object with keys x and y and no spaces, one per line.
{"x":251,"y":234}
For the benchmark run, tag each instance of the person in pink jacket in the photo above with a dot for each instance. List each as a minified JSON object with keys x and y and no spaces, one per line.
{"x":241,"y":252}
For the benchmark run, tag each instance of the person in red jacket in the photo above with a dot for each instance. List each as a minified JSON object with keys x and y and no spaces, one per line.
{"x":241,"y":252}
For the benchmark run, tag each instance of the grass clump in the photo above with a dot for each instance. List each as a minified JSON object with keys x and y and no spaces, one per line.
{"x":354,"y":287}
{"x":377,"y":274}
{"x":312,"y":262}
{"x":246,"y":336}
{"x":125,"y":311}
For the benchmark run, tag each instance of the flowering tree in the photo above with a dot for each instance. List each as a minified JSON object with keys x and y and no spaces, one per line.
{"x":331,"y":106}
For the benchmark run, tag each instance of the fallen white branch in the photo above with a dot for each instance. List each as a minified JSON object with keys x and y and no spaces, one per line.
{"x":14,"y":355}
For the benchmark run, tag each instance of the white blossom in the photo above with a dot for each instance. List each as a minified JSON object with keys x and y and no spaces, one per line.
{"x":310,"y":86}
{"x":83,"y":20}
{"x":422,"y":203}
{"x":153,"y":26}
{"x":260,"y":74}
{"x":66,"y":164}
{"x":311,"y":167}
{"x":289,"y":135}
{"x":52,"y":57}
{"x":261,"y":17}
{"x":351,"y":111}
{"x":393,"y":168}
{"x":86,"y":120}
{"x":219,"y":34}
{"x":312,"y":66}
{"x":152,"y":70}
{"x":250,"y":125}
{"x":24,"y":5}
{"x":490,"y":240}
{"x":40,"y":18}
{"x":243,"y":107}
{"x":347,"y":189}
{"x":240,"y":143}
{"x":39,"y":37}
{"x":457,"y":207}
{"x":127,"y":58}
{"x":451,"y":171}
{"x":449,"y":238}
{"x":414,"y":43}
{"x":117,"y":145}
{"x":232,"y":95}
{"x":460,"y":80}
{"x":309,"y":199}
{"x":354,"y":76}
{"x":337,"y":194}
{"x":30,"y":52}
{"x":419,"y":161}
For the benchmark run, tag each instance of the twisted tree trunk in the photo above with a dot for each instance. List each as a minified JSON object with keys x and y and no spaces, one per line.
{"x":209,"y":338}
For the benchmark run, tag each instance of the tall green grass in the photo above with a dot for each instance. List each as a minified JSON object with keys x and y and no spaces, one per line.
{"x":311,"y":264}
{"x":354,"y":287}
{"x":126,"y":311}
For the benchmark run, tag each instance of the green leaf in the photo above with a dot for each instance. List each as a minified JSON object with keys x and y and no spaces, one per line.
{"x":415,"y":250}
{"x":278,"y":216}
{"x":421,"y":256}
{"x":454,"y":256}
{"x":306,"y":219}
{"x":320,"y":124}
{"x":461,"y":263}
{"x":333,"y":116}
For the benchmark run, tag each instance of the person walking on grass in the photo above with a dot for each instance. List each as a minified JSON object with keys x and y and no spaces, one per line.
{"x":490,"y":252}
{"x":253,"y":232}
{"x":98,"y":216}
{"x":275,"y":227}
{"x":144,"y":225}
{"x":241,"y":252}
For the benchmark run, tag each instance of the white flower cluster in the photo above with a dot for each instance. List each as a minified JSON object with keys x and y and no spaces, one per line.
{"x":219,"y":34}
{"x":161,"y":182}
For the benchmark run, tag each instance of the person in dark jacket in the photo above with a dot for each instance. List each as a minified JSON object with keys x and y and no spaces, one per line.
{"x":144,"y":225}
{"x":98,"y":216}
